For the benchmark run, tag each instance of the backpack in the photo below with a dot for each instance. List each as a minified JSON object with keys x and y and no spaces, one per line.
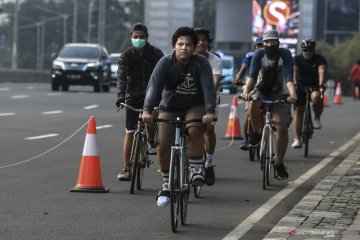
{"x":268,"y":84}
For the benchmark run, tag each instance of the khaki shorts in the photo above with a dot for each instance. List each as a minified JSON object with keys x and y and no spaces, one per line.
{"x":165,"y":135}
{"x":281,"y":112}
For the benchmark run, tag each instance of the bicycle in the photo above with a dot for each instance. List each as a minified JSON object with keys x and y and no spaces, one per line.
{"x":139,"y":158}
{"x":253,"y":150}
{"x":307,"y":126}
{"x":267,"y":142}
{"x":179,"y":175}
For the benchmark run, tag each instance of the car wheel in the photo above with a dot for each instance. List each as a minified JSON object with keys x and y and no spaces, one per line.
{"x":97,"y":86}
{"x":65,"y":87}
{"x":54,"y":85}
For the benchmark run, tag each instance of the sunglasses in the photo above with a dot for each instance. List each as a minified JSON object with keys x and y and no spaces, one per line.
{"x":308,"y":50}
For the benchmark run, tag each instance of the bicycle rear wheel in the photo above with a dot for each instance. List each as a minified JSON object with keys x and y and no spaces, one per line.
{"x":134,"y":161}
{"x":264,"y":157}
{"x":175,"y":190}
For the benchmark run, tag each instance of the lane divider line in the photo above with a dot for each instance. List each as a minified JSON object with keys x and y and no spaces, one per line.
{"x":42,"y":136}
{"x":53,"y":94}
{"x":19,"y":96}
{"x":53,"y":112}
{"x":7,"y":114}
{"x":257,"y":215}
{"x":4,"y":89}
{"x":91,"y":107}
{"x":104,"y":126}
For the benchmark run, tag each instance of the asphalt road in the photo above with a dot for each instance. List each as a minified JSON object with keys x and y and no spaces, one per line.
{"x":42,"y":136}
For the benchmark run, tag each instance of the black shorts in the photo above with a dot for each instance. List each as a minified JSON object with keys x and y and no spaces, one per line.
{"x":131,"y":116}
{"x":301,"y":94}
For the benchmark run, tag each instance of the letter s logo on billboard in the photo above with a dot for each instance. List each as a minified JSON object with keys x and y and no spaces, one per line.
{"x":276,"y":12}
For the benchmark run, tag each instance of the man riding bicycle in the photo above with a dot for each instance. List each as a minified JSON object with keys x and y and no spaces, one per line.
{"x":135,"y":67}
{"x":271,"y":77}
{"x":181,"y":85}
{"x":309,"y":71}
{"x":204,"y":39}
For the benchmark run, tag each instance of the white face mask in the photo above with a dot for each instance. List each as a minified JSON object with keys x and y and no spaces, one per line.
{"x":138,"y":42}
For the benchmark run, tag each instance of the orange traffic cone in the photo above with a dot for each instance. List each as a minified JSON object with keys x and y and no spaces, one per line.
{"x":338,"y":98}
{"x":233,"y":128}
{"x":89,"y":179}
{"x":325,"y":99}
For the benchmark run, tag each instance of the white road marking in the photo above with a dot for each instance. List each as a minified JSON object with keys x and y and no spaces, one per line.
{"x":42,"y":136}
{"x":19,"y":96}
{"x":7,"y":114}
{"x":4,"y":89}
{"x":224,"y":105}
{"x":256,"y":216}
{"x":53,"y":112}
{"x":53,"y":94}
{"x":104,"y":126}
{"x":91,"y":107}
{"x":30,"y":88}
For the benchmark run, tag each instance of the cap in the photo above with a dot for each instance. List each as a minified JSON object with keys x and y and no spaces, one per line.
{"x":139,"y":27}
{"x":258,"y":40}
{"x":270,"y":34}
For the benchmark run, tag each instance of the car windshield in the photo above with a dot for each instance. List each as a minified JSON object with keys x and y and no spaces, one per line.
{"x":114,"y":60}
{"x":80,"y":52}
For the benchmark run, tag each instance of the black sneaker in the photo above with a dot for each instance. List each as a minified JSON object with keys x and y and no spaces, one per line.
{"x":209,"y":175}
{"x":281,"y":172}
{"x":254,"y":140}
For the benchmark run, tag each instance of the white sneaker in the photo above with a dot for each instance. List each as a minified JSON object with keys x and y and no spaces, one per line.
{"x":296,"y":143}
{"x":163,"y":198}
{"x":197,"y":177}
{"x":317,"y":124}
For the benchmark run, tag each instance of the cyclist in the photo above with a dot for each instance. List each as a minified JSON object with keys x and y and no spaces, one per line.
{"x":135,"y":67}
{"x":237,"y":81}
{"x":204,"y":39}
{"x":309,"y":70}
{"x":271,"y":76}
{"x":354,"y":76}
{"x":181,"y":84}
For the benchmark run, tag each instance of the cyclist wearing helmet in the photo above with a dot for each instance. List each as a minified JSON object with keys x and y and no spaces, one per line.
{"x":309,"y":70}
{"x":237,"y":81}
{"x":204,"y":40}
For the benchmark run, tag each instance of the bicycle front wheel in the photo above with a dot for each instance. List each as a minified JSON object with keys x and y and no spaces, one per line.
{"x":306,"y":131}
{"x":264,"y":157}
{"x":174,"y":190}
{"x":134,"y":161}
{"x":185,"y":193}
{"x":142,"y":164}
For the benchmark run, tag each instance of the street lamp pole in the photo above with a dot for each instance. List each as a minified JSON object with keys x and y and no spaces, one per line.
{"x":15,"y":36}
{"x":74,"y":39}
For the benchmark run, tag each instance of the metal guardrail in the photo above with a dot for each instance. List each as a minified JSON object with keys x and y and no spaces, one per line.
{"x":24,"y":75}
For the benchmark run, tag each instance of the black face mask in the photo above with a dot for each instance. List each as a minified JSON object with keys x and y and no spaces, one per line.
{"x":272,"y":51}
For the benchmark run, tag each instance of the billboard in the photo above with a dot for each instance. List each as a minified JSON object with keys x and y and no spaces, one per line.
{"x":281,"y":15}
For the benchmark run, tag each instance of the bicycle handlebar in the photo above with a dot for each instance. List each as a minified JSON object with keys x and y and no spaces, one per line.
{"x":178,"y":121}
{"x":255,"y":98}
{"x":130,"y":107}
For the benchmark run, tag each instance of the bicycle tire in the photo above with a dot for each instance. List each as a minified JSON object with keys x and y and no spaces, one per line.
{"x":174,"y":190}
{"x":264,"y":157}
{"x":252,"y":150}
{"x":134,"y":161}
{"x":142,"y":164}
{"x":185,"y":194}
{"x":306,"y":132}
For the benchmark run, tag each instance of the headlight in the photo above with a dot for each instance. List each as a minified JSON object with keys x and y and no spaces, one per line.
{"x":58,"y":65}
{"x":92,"y":65}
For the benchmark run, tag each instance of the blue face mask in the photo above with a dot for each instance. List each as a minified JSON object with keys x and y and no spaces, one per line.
{"x":138,"y":43}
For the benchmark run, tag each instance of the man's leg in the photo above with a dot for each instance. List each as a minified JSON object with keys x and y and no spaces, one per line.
{"x":210,"y":143}
{"x":318,"y":107}
{"x":255,"y":118}
{"x":298,"y":122}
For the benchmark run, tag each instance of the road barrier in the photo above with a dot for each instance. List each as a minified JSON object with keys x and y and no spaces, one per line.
{"x":24,"y":75}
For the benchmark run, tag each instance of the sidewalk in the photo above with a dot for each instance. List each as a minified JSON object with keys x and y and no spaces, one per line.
{"x":330,"y":211}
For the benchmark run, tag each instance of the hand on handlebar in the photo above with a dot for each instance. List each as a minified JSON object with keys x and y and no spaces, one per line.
{"x":147,"y":117}
{"x":292,"y":99}
{"x":208,"y":118}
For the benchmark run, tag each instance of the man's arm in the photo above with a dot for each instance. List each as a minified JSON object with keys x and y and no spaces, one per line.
{"x":240,"y":74}
{"x":296,"y":74}
{"x":322,"y":74}
{"x":123,"y":74}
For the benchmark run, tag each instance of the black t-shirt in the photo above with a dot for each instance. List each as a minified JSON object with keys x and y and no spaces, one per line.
{"x":308,"y":69}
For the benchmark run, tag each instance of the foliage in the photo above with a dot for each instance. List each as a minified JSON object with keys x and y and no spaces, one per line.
{"x":120,"y":16}
{"x":340,"y":58}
